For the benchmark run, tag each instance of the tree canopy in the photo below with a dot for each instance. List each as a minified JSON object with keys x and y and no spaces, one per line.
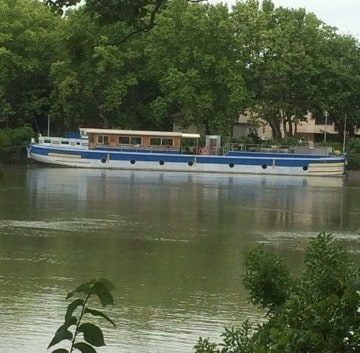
{"x":150,"y":63}
{"x":28,"y":44}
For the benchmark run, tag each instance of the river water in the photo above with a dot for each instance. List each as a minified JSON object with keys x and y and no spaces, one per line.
{"x":173,"y":245}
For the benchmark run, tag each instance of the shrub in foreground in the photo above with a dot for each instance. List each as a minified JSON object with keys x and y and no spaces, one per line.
{"x":316,"y":313}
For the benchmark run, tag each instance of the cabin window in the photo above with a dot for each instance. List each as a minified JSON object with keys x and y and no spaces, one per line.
{"x":103,"y":139}
{"x":158,"y":141}
{"x":167,"y":142}
{"x":124,"y":140}
{"x":155,"y":141}
{"x":129,"y":140}
{"x":134,"y":140}
{"x":65,"y":142}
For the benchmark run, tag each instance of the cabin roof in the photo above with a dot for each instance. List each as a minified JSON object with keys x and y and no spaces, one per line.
{"x":138,"y":133}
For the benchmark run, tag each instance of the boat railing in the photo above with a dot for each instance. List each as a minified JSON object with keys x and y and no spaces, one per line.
{"x":62,"y":141}
{"x":259,"y":148}
{"x":297,"y":149}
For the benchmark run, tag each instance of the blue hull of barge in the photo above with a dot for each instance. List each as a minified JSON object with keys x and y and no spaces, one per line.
{"x":234,"y":162}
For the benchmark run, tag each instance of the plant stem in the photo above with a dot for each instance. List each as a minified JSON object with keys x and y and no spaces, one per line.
{"x":80,"y":317}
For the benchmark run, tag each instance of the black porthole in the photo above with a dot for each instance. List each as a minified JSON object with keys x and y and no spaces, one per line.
{"x":161,"y":162}
{"x":264,"y":166}
{"x":132,"y":161}
{"x":231,"y":165}
{"x":305,"y":167}
{"x":103,"y":160}
{"x":190,"y":163}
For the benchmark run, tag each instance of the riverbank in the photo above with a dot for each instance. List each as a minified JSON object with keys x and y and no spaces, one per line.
{"x":13,"y":156}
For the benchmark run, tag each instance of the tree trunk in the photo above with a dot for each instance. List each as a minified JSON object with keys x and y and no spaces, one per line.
{"x":290,"y":132}
{"x":284,"y":127}
{"x":103,"y":118}
{"x":276,"y":131}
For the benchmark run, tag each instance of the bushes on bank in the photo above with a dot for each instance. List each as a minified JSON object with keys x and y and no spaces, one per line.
{"x":354,"y":145}
{"x":354,"y":161}
{"x":13,"y":143}
{"x":17,"y":137}
{"x":353,"y":150}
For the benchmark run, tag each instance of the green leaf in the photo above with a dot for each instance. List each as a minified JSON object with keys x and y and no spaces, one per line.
{"x":83,"y":288}
{"x":71,"y":307}
{"x":92,"y":334}
{"x":274,"y":332}
{"x":99,"y":313}
{"x":61,"y":334}
{"x":102,"y":290}
{"x":109,"y":285}
{"x":72,"y":320}
{"x":60,"y":350}
{"x":84,"y":347}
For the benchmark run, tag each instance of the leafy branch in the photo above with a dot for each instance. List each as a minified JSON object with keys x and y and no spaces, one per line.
{"x":92,"y":334}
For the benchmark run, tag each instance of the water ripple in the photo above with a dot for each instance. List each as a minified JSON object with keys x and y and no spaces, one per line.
{"x":61,"y":225}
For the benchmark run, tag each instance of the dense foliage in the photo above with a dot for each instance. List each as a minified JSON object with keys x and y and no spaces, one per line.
{"x":316,"y":313}
{"x":151,"y":63}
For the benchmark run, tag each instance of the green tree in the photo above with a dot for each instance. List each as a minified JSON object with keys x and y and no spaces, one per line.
{"x":283,"y":51}
{"x":91,"y":78}
{"x":138,"y":15}
{"x":316,"y":313}
{"x":28,"y":44}
{"x":58,"y":6}
{"x":192,"y":56}
{"x":339,"y":81}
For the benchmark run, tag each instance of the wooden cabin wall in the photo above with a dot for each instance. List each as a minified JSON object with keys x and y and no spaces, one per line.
{"x":91,"y":142}
{"x":145,"y":141}
{"x":114,"y":140}
{"x":177,"y":142}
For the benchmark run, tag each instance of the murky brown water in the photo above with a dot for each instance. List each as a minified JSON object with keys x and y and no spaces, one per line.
{"x":173,"y":244}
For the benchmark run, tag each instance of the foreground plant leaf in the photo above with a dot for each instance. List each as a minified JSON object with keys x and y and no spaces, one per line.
{"x":61,"y":334}
{"x":84,"y":347}
{"x":102,"y":289}
{"x":74,"y":316}
{"x":99,"y":313}
{"x":60,"y":350}
{"x":71,"y":308}
{"x":92,"y":334}
{"x":83,"y":288}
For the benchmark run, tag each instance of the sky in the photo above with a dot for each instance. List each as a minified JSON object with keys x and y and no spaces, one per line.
{"x":343,"y":14}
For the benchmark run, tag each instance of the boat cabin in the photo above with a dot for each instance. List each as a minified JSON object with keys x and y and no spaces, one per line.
{"x":136,"y":140}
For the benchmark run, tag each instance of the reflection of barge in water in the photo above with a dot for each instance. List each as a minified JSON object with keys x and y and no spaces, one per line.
{"x":273,"y":200}
{"x":174,"y":152}
{"x":72,"y":182}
